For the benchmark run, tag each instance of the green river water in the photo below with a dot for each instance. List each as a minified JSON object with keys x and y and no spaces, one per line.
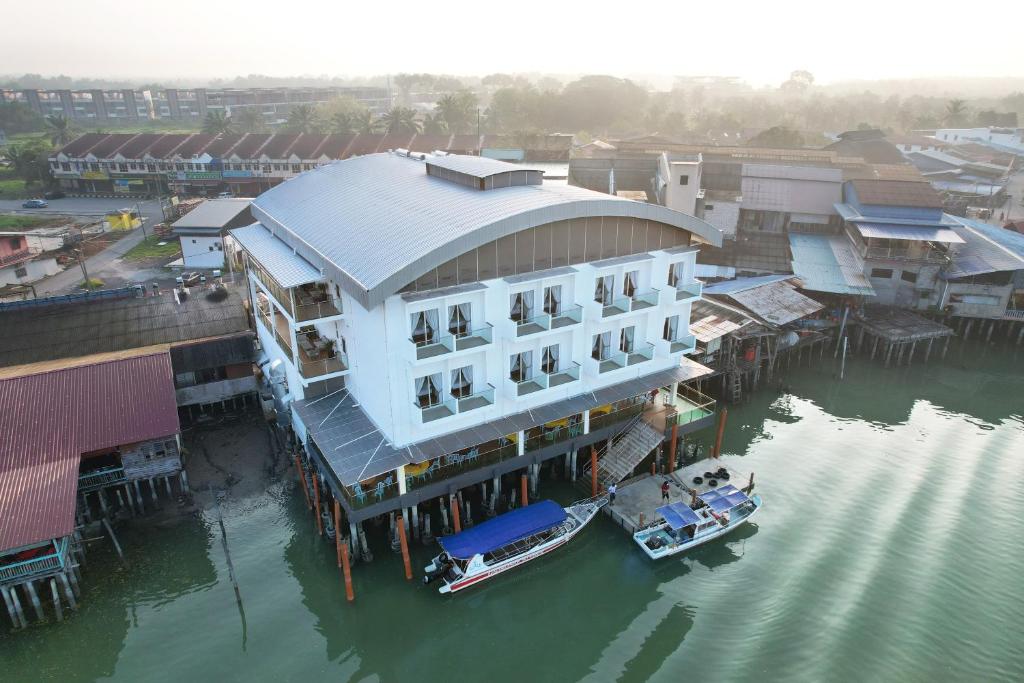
{"x":889,"y":548}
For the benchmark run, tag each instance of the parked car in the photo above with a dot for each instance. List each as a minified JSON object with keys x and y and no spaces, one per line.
{"x":34,"y":204}
{"x":54,"y":194}
{"x":224,"y":195}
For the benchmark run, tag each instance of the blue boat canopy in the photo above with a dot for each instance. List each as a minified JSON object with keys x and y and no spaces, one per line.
{"x":724,"y":498}
{"x":678,"y":515}
{"x":504,"y":529}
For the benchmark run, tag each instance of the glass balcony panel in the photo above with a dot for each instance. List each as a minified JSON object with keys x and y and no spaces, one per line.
{"x":569,"y":315}
{"x":619,"y":304}
{"x":438,"y":345}
{"x":474,"y":338}
{"x":644,"y":298}
{"x":537,"y":323}
{"x":641,"y":352}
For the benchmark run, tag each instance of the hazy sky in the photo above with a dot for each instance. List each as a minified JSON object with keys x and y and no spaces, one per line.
{"x":759,"y":41}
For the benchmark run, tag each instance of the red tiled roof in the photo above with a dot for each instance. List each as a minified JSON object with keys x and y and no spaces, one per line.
{"x":278,"y":145}
{"x":307,"y":145}
{"x":335,"y":145}
{"x":50,"y":418}
{"x":195,"y":145}
{"x":395,"y":141}
{"x":163,"y":147}
{"x":365,"y":143}
{"x":223,"y":144}
{"x":465,"y":143}
{"x":429,"y":143}
{"x":250,"y":144}
{"x":82,"y":144}
{"x":137,"y":146}
{"x":106,"y":148}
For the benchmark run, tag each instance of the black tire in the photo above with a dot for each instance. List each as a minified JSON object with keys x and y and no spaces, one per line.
{"x":712,"y":483}
{"x":698,"y":480}
{"x":708,"y":475}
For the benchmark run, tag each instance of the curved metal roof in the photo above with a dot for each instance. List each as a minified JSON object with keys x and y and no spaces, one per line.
{"x":378,"y":222}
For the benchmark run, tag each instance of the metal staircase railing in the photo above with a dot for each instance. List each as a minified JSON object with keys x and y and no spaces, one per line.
{"x":604,"y":477}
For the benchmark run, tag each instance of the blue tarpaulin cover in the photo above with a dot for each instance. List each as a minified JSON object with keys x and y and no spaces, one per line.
{"x":502,"y":530}
{"x":678,"y":515}
{"x":724,"y":498}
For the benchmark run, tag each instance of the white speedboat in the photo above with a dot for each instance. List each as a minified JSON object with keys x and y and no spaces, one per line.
{"x":507,"y":541}
{"x":682,"y":527}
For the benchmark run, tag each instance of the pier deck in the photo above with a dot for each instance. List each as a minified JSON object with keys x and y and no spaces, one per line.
{"x":642,"y":495}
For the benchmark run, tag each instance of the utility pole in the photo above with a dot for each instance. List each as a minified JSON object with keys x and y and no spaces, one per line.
{"x":85,"y":273}
{"x":142,"y":220}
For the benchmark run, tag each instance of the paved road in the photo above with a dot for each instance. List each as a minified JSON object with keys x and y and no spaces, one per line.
{"x":105,"y":265}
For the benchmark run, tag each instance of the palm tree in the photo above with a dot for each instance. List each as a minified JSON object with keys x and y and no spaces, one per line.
{"x":61,"y":132}
{"x":340,"y":123}
{"x":363,"y":122}
{"x":217,"y":123}
{"x":303,"y":119}
{"x":400,"y":120}
{"x":956,"y":112}
{"x":24,"y":161}
{"x":433,"y":124}
{"x":249,"y":120}
{"x":457,"y":110}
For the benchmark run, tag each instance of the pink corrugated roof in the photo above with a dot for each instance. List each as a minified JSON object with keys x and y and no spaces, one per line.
{"x":49,"y":419}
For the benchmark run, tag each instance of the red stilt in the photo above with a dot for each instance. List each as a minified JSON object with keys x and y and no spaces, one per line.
{"x":405,"y":547}
{"x":522,"y":480}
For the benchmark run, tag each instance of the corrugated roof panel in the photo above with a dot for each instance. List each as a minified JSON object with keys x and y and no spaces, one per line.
{"x":84,"y":408}
{"x":921,"y":233}
{"x":828,"y":263}
{"x":986,"y":249}
{"x":283,"y":264}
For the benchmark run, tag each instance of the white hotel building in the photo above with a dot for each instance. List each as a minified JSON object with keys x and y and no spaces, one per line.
{"x":444,"y":320}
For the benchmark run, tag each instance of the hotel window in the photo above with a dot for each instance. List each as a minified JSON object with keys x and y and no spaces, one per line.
{"x":604,"y":290}
{"x":626,"y":339}
{"x":629,"y":283}
{"x":424,"y":327}
{"x":549,"y":359}
{"x":521,"y":308}
{"x":521,"y":366}
{"x":428,"y":390}
{"x":684,"y":180}
{"x":462,"y":382}
{"x":674,"y":274}
{"x":459,"y":319}
{"x":553,"y":300}
{"x":601,"y":346}
{"x":671,"y":328}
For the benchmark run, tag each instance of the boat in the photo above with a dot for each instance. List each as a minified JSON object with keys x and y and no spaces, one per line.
{"x":507,"y":541}
{"x":682,"y":527}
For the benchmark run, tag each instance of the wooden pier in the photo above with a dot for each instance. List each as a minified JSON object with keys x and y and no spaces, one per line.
{"x":895,"y":335}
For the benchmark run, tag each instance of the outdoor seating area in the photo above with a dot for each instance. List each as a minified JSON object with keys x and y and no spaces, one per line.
{"x":317,"y":355}
{"x":313,"y":301}
{"x":451,"y":464}
{"x":373,"y":491}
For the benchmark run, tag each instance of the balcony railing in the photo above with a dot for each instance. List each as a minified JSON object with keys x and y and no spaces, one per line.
{"x":543,"y":380}
{"x":264,"y":316}
{"x":569,"y":315}
{"x":363,"y":494}
{"x":613,"y":361}
{"x":474,"y":338}
{"x":641,"y":352}
{"x":690,"y":405}
{"x":685,"y":343}
{"x":438,"y":345}
{"x":689,"y":290}
{"x":533,"y":324}
{"x":20,"y":255}
{"x":548,"y":435}
{"x":1012,"y":314}
{"x":24,"y":569}
{"x":454,"y":405}
{"x":599,"y":420}
{"x":447,"y":466}
{"x":644,"y":298}
{"x":98,"y":479}
{"x":314,"y":310}
{"x":283,"y":343}
{"x":923,"y":254}
{"x":336,"y":362}
{"x":618,"y":304}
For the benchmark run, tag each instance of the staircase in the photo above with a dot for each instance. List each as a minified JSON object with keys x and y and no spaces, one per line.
{"x":628,"y":448}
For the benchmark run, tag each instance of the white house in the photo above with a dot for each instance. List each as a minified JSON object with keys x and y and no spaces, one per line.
{"x":202,"y":230}
{"x":414,"y":306}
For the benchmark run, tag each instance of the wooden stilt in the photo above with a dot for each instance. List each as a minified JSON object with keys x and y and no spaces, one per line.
{"x":337,"y":529}
{"x":56,"y":599}
{"x":103,"y":502}
{"x":316,"y":503}
{"x":523,"y":486}
{"x":910,"y":354}
{"x":874,"y":347}
{"x":10,"y":606}
{"x":113,"y":538}
{"x":346,"y":572}
{"x":888,"y":353}
{"x":302,"y":480}
{"x":68,"y":593}
{"x":928,"y":349}
{"x":405,"y":548}
{"x":945,"y":347}
{"x":750,"y":486}
{"x":167,"y":484}
{"x":184,"y":481}
{"x":456,"y":524}
{"x":721,"y":432}
{"x":152,"y":492}
{"x":30,"y":588}
{"x":593,"y":471}
{"x":18,"y":611}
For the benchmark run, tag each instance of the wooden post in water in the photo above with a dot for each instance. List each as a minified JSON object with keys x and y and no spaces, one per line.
{"x":405,"y":548}
{"x":721,"y":431}
{"x":670,"y":464}
{"x":16,"y":601}
{"x":750,"y":486}
{"x":113,"y":538}
{"x":593,"y":471}
{"x":525,"y":488}
{"x":302,"y":479}
{"x":316,"y":500}
{"x":337,"y":529}
{"x":346,"y":571}
{"x":456,"y":524}
{"x":56,"y":599}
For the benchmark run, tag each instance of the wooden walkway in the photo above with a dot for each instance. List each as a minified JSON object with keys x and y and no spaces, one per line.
{"x":897,"y":333}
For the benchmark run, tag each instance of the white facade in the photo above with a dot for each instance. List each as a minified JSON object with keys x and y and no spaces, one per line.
{"x":202,"y":251}
{"x":1004,"y":137}
{"x":680,"y":182}
{"x":28,"y":271}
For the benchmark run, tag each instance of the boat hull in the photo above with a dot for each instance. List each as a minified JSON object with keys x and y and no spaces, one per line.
{"x":677,"y":548}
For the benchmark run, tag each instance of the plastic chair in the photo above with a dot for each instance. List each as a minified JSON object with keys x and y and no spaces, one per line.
{"x":380,"y":490}
{"x":359,"y":493}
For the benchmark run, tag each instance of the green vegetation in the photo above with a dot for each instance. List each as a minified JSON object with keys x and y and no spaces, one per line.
{"x":13,"y":188}
{"x":216,"y":123}
{"x":22,"y":222}
{"x":91,"y":283}
{"x":150,"y":248}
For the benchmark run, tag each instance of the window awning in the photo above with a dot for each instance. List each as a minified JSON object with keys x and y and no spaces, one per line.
{"x":920,"y":233}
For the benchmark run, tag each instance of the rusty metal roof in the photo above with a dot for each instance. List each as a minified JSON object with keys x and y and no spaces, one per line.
{"x":51,"y":418}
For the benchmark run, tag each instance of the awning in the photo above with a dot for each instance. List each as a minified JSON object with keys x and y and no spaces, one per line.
{"x":920,"y":233}
{"x":504,"y":529}
{"x":678,"y":515}
{"x":828,"y":263}
{"x":280,"y":260}
{"x":724,"y":498}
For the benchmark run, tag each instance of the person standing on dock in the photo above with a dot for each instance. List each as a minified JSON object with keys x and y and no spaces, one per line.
{"x":611,"y":493}
{"x":664,"y":490}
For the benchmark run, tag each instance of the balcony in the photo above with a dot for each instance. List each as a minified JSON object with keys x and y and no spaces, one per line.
{"x":100,"y":479}
{"x":455,"y":405}
{"x":312,"y":302}
{"x":571,"y":315}
{"x":543,"y":380}
{"x":319,"y":356}
{"x":433,"y":346}
{"x":372,"y":491}
{"x":606,"y":415}
{"x":475,"y":338}
{"x":641,"y":352}
{"x":617,"y":306}
{"x":684,"y":343}
{"x":613,"y":361}
{"x":689,"y":406}
{"x":689,"y":291}
{"x":554,"y":432}
{"x":644,"y":298}
{"x":34,"y":562}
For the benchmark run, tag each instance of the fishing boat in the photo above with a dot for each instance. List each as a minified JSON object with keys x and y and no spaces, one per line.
{"x":682,"y":527}
{"x":507,"y":541}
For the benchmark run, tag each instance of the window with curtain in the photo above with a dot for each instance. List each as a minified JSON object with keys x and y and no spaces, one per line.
{"x":629,"y":284}
{"x":671,"y":328}
{"x":521,"y":366}
{"x":626,"y":337}
{"x":424,"y":327}
{"x":462,"y":382}
{"x":601,"y":346}
{"x":521,"y":306}
{"x":428,"y":390}
{"x":549,"y":359}
{"x":459,"y":319}
{"x":604,"y":290}
{"x":553,"y":300}
{"x":674,"y":273}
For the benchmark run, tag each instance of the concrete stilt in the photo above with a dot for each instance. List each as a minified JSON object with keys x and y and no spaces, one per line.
{"x":167,"y":485}
{"x":967,"y":330}
{"x":56,"y":599}
{"x":367,"y":555}
{"x":152,"y":490}
{"x":103,"y":502}
{"x":496,"y":482}
{"x":18,"y":611}
{"x":445,"y":525}
{"x":138,"y":496}
{"x":910,"y":355}
{"x":10,"y":606}
{"x":337,"y":529}
{"x":945,"y":347}
{"x":888,"y":353}
{"x":928,"y":349}
{"x":991,"y":327}
{"x":30,"y":588}
{"x":120,"y":499}
{"x":415,"y":509}
{"x":353,"y":538}
{"x":73,"y":578}
{"x":570,"y":465}
{"x":874,"y":347}
{"x":184,"y":482}
{"x":131,"y":499}
{"x":68,"y":593}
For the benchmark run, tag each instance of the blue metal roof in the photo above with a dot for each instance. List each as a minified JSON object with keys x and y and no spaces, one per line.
{"x":280,"y":260}
{"x":894,"y":231}
{"x":678,"y":515}
{"x":504,"y":529}
{"x":724,"y":498}
{"x":986,"y":249}
{"x":828,"y":263}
